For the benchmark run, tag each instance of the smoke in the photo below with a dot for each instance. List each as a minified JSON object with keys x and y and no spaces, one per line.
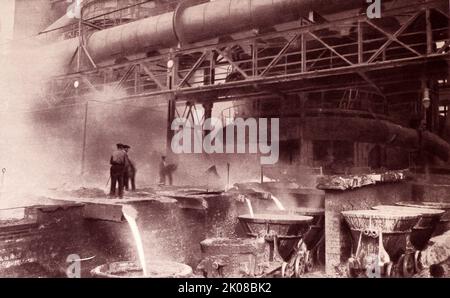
{"x":193,"y":169}
{"x":41,"y":137}
{"x":24,"y":150}
{"x":136,"y":124}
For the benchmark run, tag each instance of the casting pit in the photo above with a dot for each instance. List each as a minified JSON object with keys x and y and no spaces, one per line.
{"x":163,"y":269}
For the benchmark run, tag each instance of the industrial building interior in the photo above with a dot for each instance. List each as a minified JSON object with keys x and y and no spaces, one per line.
{"x":361,"y":186}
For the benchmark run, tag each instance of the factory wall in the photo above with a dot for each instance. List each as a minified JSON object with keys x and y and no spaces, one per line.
{"x":431,"y":192}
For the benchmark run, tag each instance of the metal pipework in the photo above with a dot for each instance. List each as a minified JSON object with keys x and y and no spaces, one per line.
{"x":224,"y":17}
{"x":188,"y":24}
{"x":205,"y":21}
{"x":375,"y":131}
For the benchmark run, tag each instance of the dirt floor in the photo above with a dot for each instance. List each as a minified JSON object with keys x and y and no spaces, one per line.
{"x":31,"y":270}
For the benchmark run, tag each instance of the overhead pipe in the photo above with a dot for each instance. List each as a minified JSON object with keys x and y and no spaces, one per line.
{"x":190,"y":24}
{"x":375,"y":131}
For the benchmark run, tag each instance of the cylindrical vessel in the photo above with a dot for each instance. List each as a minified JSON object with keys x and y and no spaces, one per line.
{"x":202,"y":22}
{"x":288,"y":228}
{"x":190,"y":24}
{"x":395,"y":226}
{"x":425,"y":227}
{"x":444,"y":224}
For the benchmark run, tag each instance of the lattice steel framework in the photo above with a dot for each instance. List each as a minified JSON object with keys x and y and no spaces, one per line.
{"x":280,"y":62}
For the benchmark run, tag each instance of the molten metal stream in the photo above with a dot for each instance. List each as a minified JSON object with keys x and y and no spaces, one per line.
{"x":130,"y":215}
{"x":250,"y":208}
{"x":278,"y":203}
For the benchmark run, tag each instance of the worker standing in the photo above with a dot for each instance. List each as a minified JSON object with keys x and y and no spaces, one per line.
{"x":162,"y":171}
{"x":119,"y":162}
{"x":130,"y":172}
{"x":165,"y":170}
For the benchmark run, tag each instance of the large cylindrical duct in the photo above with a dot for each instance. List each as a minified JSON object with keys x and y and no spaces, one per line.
{"x":202,"y":22}
{"x":189,"y":24}
{"x":220,"y":18}
{"x":139,"y":36}
{"x":375,"y":131}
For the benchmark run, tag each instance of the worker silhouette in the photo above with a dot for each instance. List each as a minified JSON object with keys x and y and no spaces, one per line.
{"x":166,"y":171}
{"x":119,"y":162}
{"x":130,"y":172}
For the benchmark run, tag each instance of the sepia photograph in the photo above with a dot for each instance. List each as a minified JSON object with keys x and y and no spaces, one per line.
{"x":198,"y":140}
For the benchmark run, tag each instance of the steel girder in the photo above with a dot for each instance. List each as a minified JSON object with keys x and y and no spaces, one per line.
{"x":219,"y":71}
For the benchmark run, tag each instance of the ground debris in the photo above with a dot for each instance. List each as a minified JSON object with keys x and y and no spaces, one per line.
{"x":436,"y":256}
{"x":345,"y":182}
{"x":84,"y":192}
{"x":29,"y":270}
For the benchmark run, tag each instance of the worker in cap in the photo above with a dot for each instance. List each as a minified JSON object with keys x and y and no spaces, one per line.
{"x":119,"y":162}
{"x":130,"y":172}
